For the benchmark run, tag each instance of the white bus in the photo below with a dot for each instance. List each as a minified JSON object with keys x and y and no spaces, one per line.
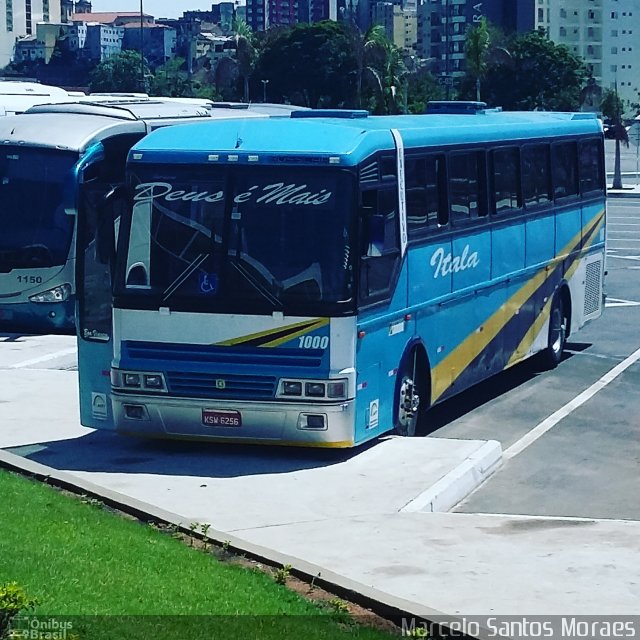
{"x":45,"y":154}
{"x":17,"y":96}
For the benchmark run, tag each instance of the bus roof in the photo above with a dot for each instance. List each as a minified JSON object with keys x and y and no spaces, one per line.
{"x":75,"y":126}
{"x":353,"y":136}
{"x":17,"y":96}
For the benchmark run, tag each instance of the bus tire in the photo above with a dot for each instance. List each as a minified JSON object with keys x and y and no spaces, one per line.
{"x":552,"y":355}
{"x":409,"y":404}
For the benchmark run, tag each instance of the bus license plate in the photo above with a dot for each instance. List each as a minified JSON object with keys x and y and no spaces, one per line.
{"x":211,"y":418}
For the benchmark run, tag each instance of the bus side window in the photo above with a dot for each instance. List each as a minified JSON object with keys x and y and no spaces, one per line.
{"x":536,"y":174}
{"x":416,"y":196}
{"x":565,"y":169}
{"x":505,"y":180}
{"x":467,"y":181}
{"x":380,"y":250}
{"x":425,"y":195}
{"x":590,"y":159}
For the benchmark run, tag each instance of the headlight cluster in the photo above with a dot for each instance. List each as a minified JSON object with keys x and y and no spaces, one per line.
{"x":60,"y":293}
{"x":314,"y":389}
{"x":143,"y":380}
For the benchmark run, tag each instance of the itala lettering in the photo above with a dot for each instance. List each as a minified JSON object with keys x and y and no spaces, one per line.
{"x":446,"y":263}
{"x":277,"y":193}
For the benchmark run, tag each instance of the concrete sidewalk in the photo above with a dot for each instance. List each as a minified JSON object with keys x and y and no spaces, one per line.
{"x":360,"y":519}
{"x":629,"y":190}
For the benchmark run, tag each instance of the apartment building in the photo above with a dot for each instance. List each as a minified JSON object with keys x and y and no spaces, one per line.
{"x":400,"y":23}
{"x":19,"y":18}
{"x":604,"y":33}
{"x":442,"y":26}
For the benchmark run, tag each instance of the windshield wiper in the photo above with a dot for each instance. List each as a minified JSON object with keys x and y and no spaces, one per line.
{"x":259,"y":287}
{"x":179,"y":281}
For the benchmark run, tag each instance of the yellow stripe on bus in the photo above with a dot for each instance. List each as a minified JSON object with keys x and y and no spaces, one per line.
{"x":293,"y":331}
{"x":542,"y":317}
{"x":447,"y":372}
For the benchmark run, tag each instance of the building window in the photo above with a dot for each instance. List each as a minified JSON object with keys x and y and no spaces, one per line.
{"x":9,"y":18}
{"x":614,"y":33}
{"x":614,"y":49}
{"x":614,"y":14}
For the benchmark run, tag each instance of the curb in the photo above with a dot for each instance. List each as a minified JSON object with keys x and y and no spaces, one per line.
{"x":459,"y":482}
{"x":631,"y":193}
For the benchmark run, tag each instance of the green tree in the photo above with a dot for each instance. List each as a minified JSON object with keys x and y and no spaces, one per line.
{"x":421,"y":88}
{"x":120,"y":73}
{"x":476,"y":50}
{"x":246,"y":53}
{"x":364,"y":46}
{"x":393,"y":79}
{"x":310,"y":64}
{"x":538,"y":74}
{"x":171,"y":79}
{"x":612,"y":107}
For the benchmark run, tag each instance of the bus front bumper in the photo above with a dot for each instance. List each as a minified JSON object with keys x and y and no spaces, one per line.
{"x":317,"y":425}
{"x":39,"y":317}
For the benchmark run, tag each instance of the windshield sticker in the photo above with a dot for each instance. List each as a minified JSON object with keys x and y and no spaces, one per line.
{"x":277,"y":193}
{"x":208,"y":283}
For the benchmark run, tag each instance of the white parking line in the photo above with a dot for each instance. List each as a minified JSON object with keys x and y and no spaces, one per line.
{"x":619,"y":302}
{"x":50,"y":356}
{"x":538,"y":431}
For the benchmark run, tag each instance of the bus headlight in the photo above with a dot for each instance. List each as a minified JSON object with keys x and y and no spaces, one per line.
{"x":60,"y":293}
{"x":143,"y":380}
{"x":291,"y":388}
{"x":337,"y":390}
{"x":131,"y":379}
{"x":314,"y":389}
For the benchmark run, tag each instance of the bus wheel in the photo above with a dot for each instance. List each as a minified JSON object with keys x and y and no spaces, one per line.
{"x":552,"y":355}
{"x":408,"y":401}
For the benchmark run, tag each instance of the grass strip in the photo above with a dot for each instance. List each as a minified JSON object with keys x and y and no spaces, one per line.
{"x":112,"y":577}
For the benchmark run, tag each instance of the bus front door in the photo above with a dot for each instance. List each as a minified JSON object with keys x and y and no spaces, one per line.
{"x":97,"y":221}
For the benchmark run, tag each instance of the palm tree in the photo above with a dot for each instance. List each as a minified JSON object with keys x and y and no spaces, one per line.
{"x":612,"y":107}
{"x":246,"y":54}
{"x":372,"y":41}
{"x":476,"y":49}
{"x":393,"y":77}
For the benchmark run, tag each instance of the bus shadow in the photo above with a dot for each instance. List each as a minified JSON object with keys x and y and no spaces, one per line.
{"x":496,"y":386}
{"x":107,"y":452}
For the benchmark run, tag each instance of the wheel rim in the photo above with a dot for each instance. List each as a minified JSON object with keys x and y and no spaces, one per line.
{"x":558,"y":331}
{"x":408,"y":406}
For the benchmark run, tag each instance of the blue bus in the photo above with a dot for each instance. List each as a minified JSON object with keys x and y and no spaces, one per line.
{"x":328,"y":278}
{"x":44,"y":154}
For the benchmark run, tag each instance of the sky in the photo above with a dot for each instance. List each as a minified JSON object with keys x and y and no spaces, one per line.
{"x":157,"y":8}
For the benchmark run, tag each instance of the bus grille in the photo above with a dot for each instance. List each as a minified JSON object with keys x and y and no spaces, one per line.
{"x":592,"y":291}
{"x":223,"y":386}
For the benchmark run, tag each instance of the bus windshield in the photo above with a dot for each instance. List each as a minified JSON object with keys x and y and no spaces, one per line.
{"x":36,"y":232}
{"x":238,"y":240}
